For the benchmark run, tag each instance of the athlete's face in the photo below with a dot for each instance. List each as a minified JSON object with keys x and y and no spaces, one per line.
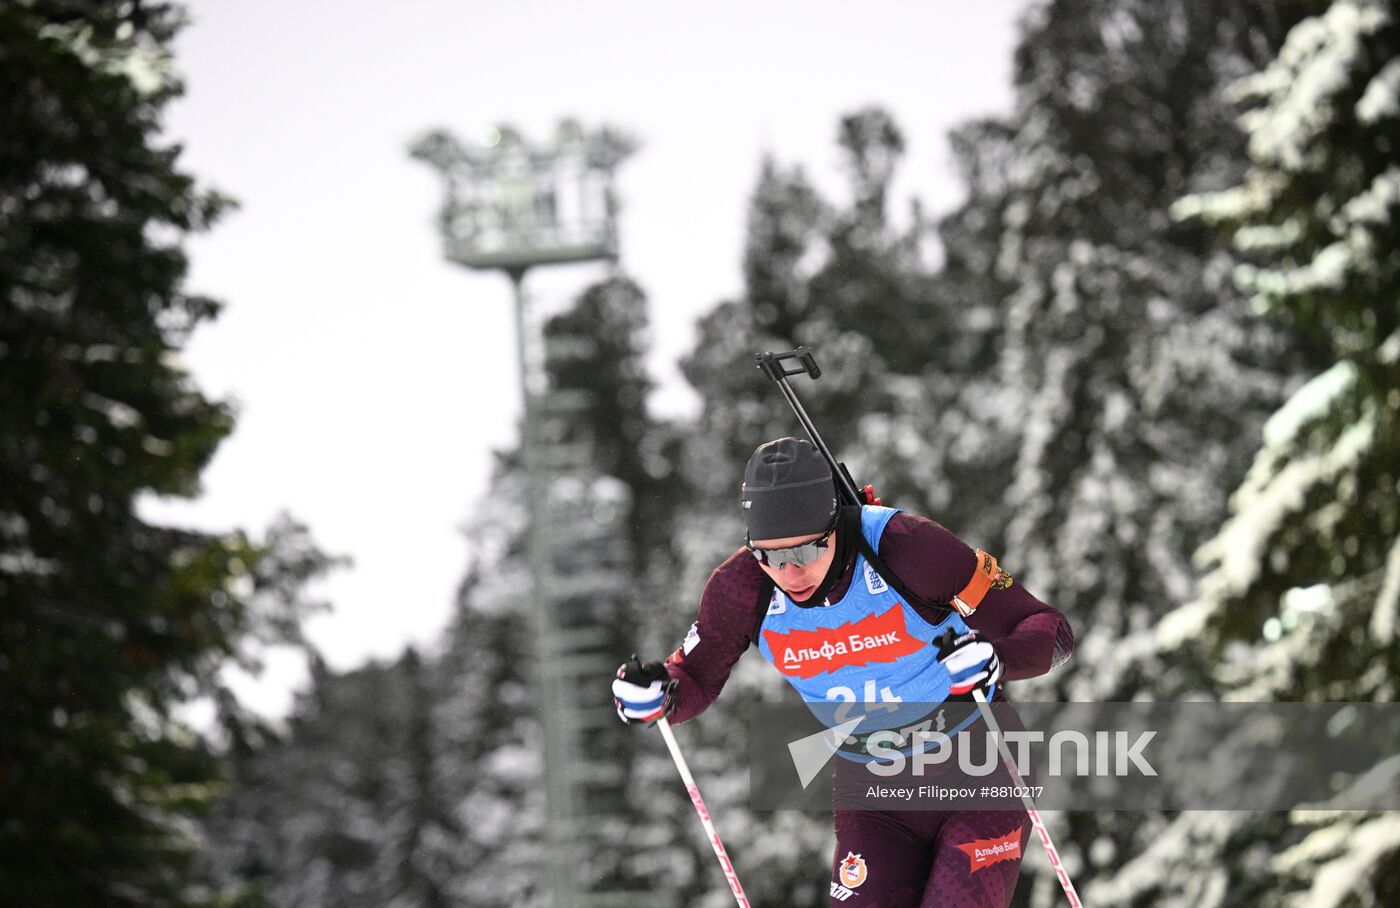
{"x":798,"y":582}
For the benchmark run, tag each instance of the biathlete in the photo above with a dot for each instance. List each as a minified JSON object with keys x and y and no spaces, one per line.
{"x":814,"y":571}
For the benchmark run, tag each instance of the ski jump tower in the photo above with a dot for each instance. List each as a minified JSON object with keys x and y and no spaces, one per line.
{"x":512,"y":206}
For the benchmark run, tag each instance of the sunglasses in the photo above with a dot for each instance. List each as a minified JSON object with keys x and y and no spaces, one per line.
{"x":799,"y":555}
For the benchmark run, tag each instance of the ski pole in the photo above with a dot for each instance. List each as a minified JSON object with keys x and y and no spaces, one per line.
{"x":772,"y":366}
{"x":1020,"y":783}
{"x":705,"y":820}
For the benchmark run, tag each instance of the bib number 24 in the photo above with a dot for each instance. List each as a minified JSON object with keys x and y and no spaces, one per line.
{"x":847,"y":697}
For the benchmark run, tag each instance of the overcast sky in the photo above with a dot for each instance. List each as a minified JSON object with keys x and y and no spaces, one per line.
{"x":374,"y":378}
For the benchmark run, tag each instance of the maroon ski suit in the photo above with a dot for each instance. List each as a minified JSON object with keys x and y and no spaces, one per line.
{"x":908,"y":858}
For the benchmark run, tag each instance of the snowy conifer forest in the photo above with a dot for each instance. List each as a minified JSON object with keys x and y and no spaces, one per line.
{"x":1151,"y":360}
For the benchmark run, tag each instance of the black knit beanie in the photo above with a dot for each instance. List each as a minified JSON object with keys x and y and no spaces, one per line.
{"x":788,"y":491}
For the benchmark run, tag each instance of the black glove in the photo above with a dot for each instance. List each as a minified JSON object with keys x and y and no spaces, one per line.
{"x":971,"y":662}
{"x":642,"y":692}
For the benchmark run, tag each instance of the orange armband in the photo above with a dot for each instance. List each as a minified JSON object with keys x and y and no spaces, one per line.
{"x":986,"y":576}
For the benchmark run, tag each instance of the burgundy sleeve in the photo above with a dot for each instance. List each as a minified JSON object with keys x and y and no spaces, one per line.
{"x":729,"y":611}
{"x":1030,"y":636}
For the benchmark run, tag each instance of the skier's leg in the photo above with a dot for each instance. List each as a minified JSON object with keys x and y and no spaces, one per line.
{"x":880,"y":861}
{"x":977,"y":859}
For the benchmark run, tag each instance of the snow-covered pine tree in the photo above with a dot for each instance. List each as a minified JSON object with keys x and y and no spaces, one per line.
{"x":1302,"y":593}
{"x":325,"y":817}
{"x":1126,"y":369}
{"x":1315,"y":224}
{"x":487,"y":758}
